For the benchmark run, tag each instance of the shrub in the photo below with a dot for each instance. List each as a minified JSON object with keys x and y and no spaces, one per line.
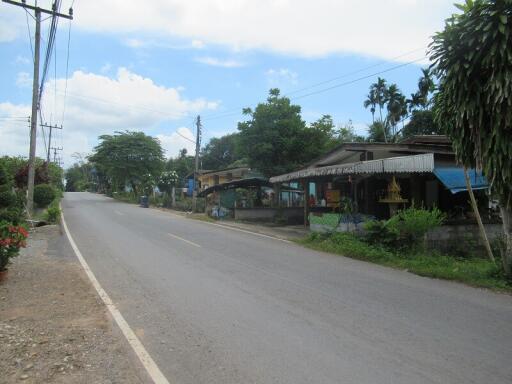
{"x":7,"y":199}
{"x":378,"y":232}
{"x":44,"y":194}
{"x":12,"y":238}
{"x":405,"y":230}
{"x":12,"y":215}
{"x":412,"y":224}
{"x":53,"y":212}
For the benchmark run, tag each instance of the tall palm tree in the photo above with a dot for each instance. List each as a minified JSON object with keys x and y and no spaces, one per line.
{"x":371,"y":101}
{"x":414,"y":102}
{"x":425,"y":87}
{"x":396,"y":106}
{"x":380,"y":90}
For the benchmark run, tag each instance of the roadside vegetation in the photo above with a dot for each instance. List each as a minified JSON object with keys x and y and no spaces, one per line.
{"x":13,"y":185}
{"x":400,"y":242}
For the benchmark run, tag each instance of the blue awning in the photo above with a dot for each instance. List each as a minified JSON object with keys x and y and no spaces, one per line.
{"x":453,"y":179}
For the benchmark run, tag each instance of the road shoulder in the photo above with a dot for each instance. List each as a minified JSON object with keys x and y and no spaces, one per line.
{"x":53,"y":326}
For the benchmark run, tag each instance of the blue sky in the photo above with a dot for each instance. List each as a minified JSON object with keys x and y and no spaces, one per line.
{"x":154,"y":66}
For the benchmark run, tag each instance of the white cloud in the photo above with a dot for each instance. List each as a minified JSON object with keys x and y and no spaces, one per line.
{"x":181,"y":138}
{"x":22,"y":60}
{"x":383,"y":28}
{"x":97,"y":104}
{"x":134,"y":43}
{"x":23,"y":80}
{"x":219,"y":63}
{"x":198,"y":44}
{"x":106,"y":68}
{"x":281,"y":76}
{"x":14,"y":129}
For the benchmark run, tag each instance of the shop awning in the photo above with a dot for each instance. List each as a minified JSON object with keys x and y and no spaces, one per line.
{"x":453,"y":179}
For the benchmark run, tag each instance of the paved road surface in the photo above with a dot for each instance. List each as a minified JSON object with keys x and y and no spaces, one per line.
{"x":212,"y":305}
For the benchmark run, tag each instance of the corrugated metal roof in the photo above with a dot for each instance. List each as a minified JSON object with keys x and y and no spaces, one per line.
{"x":403,"y":164}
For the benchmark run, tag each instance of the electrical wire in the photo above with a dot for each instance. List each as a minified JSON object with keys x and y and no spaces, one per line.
{"x":29,"y":34}
{"x":67,"y":71}
{"x":331,"y":87}
{"x":314,"y":85}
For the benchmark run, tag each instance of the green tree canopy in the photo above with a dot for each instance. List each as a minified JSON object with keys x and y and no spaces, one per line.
{"x":421,"y":123}
{"x":183,"y":165}
{"x":220,"y":152}
{"x":276,"y":140}
{"x":128,"y":158}
{"x":473,"y":61}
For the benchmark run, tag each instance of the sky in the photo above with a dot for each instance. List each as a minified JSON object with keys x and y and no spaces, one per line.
{"x":154,"y":66}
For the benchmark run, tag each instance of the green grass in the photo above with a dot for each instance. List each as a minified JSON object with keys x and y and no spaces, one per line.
{"x":475,"y":272}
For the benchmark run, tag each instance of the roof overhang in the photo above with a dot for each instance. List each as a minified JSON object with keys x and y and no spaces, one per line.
{"x":403,"y":164}
{"x":242,"y":183}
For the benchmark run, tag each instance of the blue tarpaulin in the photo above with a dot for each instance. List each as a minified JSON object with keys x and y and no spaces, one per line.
{"x":453,"y":179}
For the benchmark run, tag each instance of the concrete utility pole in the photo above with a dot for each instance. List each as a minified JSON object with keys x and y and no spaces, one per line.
{"x":196,"y":168}
{"x":55,"y":149}
{"x":35,"y":93}
{"x":50,"y":127}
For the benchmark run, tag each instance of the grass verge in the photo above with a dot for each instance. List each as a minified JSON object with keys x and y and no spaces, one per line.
{"x":475,"y":272}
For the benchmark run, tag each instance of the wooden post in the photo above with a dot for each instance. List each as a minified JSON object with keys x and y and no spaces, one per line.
{"x":478,"y":218}
{"x":306,"y":202}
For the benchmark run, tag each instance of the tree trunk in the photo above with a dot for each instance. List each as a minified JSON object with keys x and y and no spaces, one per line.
{"x":173,"y":196}
{"x":478,"y":218}
{"x":506,"y":217}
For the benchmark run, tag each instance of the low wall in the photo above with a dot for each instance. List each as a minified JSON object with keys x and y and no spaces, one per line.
{"x":292,"y":215}
{"x":461,"y":235}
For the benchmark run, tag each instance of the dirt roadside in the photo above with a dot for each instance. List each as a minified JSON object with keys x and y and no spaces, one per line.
{"x":53,"y":326}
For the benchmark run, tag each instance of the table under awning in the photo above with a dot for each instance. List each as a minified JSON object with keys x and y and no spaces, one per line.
{"x":453,"y":179}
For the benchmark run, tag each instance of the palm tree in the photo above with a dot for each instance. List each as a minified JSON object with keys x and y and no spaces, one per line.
{"x":396,"y":105}
{"x":371,"y":100}
{"x":425,"y":86}
{"x":379,"y":89}
{"x":414,"y":102}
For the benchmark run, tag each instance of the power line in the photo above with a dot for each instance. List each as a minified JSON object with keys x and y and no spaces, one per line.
{"x":67,"y":70}
{"x":358,"y":79}
{"x":332,"y":87}
{"x":110,"y":102}
{"x":228,"y":113}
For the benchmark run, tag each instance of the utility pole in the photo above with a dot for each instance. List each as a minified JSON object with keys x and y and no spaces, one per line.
{"x":50,"y":127}
{"x":55,"y":149}
{"x":35,"y":93}
{"x":196,"y":168}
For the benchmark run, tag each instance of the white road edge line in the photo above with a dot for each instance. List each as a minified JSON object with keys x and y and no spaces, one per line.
{"x":245,"y":231}
{"x":119,"y":213}
{"x":185,"y":240}
{"x":143,"y":355}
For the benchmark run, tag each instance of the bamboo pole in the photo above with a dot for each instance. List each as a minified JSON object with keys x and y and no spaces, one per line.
{"x":478,"y":218}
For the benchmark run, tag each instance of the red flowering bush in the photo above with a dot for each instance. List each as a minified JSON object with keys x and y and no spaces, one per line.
{"x":12,"y":238}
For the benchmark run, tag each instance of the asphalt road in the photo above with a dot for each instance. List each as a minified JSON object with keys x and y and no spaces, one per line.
{"x":212,"y":305}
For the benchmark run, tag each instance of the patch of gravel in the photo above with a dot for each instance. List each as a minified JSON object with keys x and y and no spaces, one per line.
{"x":53,"y":326}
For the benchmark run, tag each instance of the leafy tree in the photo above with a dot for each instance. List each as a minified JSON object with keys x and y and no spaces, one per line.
{"x":168,"y":179}
{"x":183,"y":165}
{"x":128,"y":158}
{"x":421,"y":123}
{"x":378,"y":132}
{"x":472,"y":60}
{"x":346,"y":134}
{"x":276,"y":140}
{"x":220,"y":152}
